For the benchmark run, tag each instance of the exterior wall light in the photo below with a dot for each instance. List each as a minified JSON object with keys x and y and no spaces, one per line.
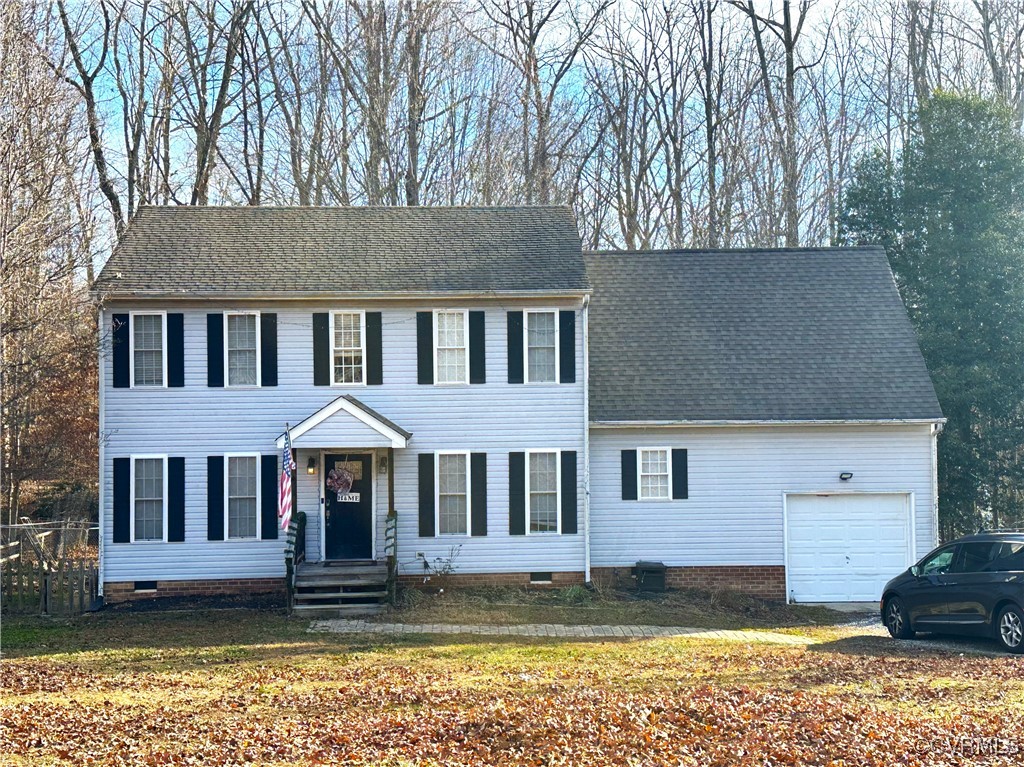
{"x":846,"y":476}
{"x":311,"y":465}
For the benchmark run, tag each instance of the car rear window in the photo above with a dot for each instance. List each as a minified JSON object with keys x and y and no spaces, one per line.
{"x":1008,"y":556}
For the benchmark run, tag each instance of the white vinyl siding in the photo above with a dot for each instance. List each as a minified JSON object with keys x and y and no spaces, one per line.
{"x":149,"y":498}
{"x":541,"y":347}
{"x":737,"y":478}
{"x":542,"y":483}
{"x":242,"y":488}
{"x":453,"y":493}
{"x":348,"y":348}
{"x":655,"y":466}
{"x":195,"y":423}
{"x":149,"y":349}
{"x":242,"y":348}
{"x":451,"y":358}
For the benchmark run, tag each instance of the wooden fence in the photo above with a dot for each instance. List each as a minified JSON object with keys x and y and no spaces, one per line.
{"x":68,"y":588}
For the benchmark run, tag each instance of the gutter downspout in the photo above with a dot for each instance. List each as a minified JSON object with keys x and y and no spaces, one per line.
{"x":936,"y":431}
{"x":100,"y":494}
{"x":586,"y":438}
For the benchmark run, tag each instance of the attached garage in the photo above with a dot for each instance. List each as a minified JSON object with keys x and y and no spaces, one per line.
{"x":844,"y":547}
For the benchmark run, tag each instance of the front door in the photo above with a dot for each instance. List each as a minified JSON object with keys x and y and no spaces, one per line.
{"x":348,"y":506}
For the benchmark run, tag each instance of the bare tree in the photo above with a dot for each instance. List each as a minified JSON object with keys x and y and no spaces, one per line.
{"x":787,"y":31}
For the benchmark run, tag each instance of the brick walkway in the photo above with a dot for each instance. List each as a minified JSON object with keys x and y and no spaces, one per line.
{"x":346,"y":626}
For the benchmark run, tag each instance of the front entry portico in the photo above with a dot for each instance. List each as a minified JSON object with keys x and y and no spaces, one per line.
{"x":339,"y":451}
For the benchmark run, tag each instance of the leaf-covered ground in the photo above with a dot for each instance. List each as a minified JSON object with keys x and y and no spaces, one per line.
{"x":242,"y":687}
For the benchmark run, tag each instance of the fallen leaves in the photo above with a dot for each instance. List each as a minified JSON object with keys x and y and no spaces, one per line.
{"x":638,"y":703}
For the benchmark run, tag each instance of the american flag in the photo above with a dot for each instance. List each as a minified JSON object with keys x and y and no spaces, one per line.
{"x":284,"y":500}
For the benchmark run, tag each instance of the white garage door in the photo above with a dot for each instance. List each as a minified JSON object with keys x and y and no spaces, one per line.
{"x":844,"y":548}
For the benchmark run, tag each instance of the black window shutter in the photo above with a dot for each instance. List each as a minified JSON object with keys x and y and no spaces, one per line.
{"x":517,"y":493}
{"x":176,"y":349}
{"x":268,"y":497}
{"x":629,"y":475}
{"x":215,"y":349}
{"x":321,"y":349}
{"x":122,"y":500}
{"x":268,"y":349}
{"x":680,"y":480}
{"x":215,"y":498}
{"x":175,"y":499}
{"x":427,"y":495}
{"x":120,"y":334}
{"x":478,"y":503}
{"x":477,"y":349}
{"x":515,"y":347}
{"x":567,"y":347}
{"x":569,"y":492}
{"x":374,"y":349}
{"x":425,"y":347}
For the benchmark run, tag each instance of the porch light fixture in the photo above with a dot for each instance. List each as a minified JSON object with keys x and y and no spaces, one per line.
{"x":846,"y":476}
{"x":311,"y":465}
{"x":382,"y":465}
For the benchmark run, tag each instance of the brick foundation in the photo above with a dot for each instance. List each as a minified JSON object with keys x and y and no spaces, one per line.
{"x":469,"y":580}
{"x":123,"y":591}
{"x":765,"y":581}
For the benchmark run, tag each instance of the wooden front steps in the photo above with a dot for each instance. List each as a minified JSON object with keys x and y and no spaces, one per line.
{"x":340,"y":589}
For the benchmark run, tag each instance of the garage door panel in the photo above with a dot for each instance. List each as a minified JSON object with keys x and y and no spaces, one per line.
{"x":845,"y":547}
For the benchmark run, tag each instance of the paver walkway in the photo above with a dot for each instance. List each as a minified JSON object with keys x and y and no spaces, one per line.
{"x":355,"y":626}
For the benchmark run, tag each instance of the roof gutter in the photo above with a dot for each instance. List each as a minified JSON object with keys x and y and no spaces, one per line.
{"x":769,"y":422}
{"x":275,"y":297}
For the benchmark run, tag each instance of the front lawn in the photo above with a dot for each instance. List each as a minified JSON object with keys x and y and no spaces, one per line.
{"x":245,"y":687}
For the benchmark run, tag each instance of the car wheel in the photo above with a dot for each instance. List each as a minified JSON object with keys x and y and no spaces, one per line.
{"x":1010,"y":628}
{"x":897,"y":621}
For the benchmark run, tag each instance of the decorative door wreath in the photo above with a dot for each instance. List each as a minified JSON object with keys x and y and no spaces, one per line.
{"x":340,"y":481}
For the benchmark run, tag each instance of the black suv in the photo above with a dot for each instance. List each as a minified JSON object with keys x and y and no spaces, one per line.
{"x":974,"y":585}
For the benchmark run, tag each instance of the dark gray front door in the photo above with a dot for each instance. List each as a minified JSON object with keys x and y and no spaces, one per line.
{"x":348,"y":502}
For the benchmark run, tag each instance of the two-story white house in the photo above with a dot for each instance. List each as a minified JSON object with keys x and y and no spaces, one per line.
{"x":465,"y":387}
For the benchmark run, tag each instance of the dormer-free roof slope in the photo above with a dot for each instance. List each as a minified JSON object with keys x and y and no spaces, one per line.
{"x":752,"y":335}
{"x":313,"y":251}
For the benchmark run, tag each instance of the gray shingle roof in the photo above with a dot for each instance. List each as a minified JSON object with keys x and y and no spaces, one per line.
{"x":264,"y":250}
{"x":815,"y":334}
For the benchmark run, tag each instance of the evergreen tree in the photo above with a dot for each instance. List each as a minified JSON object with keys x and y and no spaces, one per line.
{"x":950,"y":214}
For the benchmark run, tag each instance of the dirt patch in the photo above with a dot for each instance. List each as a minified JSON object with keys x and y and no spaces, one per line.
{"x":192,"y":603}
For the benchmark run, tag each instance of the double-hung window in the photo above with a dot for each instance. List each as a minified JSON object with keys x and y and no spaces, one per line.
{"x":348,"y":339}
{"x":453,"y":493}
{"x":541,"y":346}
{"x":450,"y":348}
{"x":542,"y":483}
{"x":655,"y":469}
{"x":149,"y":498}
{"x":242,"y":488}
{"x":149,"y":350}
{"x":242,"y":348}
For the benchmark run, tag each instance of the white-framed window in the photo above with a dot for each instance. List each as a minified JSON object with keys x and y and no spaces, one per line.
{"x":148,"y":356}
{"x":348,"y":348}
{"x":540,"y":346}
{"x":654,"y":470}
{"x":242,"y":496}
{"x":149,"y":498}
{"x":242,"y":349}
{"x":453,"y":492}
{"x":543,"y":480}
{"x":451,"y":347}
